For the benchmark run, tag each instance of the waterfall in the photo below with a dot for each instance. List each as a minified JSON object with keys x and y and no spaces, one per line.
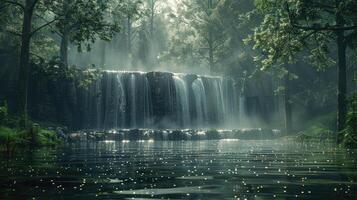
{"x":242,"y":111}
{"x":132,"y":100}
{"x":182,"y":101}
{"x":200,"y":101}
{"x":159,"y":99}
{"x":146,"y":118}
{"x":139,"y":99}
{"x":122,"y":101}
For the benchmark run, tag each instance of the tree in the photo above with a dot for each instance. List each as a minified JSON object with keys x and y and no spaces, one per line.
{"x":27,"y":31}
{"x":202,"y":30}
{"x":78,"y":21}
{"x":152,"y":10}
{"x":130,"y":11}
{"x":81,"y":21}
{"x":209,"y":28}
{"x":291,"y":26}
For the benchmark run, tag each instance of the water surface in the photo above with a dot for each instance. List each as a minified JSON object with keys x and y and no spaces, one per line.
{"x":225,"y":169}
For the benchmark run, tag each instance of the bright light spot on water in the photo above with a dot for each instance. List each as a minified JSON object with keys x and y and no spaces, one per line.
{"x":109,"y":141}
{"x":190,"y":167}
{"x":112,"y":131}
{"x":201,"y":133}
{"x":229,"y":140}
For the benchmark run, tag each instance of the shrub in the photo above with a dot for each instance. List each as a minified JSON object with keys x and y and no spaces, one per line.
{"x":350,"y":133}
{"x":3,"y":114}
{"x":47,"y":138}
{"x":10,"y":139}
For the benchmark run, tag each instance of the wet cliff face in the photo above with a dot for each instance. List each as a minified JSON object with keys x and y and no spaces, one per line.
{"x":158,"y":100}
{"x":151,"y":100}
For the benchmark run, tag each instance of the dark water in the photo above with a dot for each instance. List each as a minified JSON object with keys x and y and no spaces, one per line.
{"x":182,"y":170}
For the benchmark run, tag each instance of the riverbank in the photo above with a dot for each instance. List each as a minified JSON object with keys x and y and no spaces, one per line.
{"x":19,"y":133}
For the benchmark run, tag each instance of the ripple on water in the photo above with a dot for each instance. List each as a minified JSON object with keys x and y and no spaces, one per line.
{"x":223,"y":169}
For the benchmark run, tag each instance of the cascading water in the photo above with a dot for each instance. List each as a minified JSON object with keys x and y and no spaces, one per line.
{"x":122,"y":101}
{"x":242,"y":111}
{"x":182,"y":100}
{"x":133,"y":102}
{"x":159,"y":100}
{"x":200,"y":102}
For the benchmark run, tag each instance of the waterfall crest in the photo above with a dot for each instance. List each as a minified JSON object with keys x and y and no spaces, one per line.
{"x":159,"y":100}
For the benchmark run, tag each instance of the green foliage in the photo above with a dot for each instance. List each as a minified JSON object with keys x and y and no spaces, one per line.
{"x":315,"y":133}
{"x":3,"y":114}
{"x":10,"y":136}
{"x":129,"y":9}
{"x":321,"y":122}
{"x":282,"y":37}
{"x":10,"y":139}
{"x":82,"y":20}
{"x":318,"y":128}
{"x":53,"y":71}
{"x":38,"y":136}
{"x":209,"y":34}
{"x":23,"y":136}
{"x":350,"y":133}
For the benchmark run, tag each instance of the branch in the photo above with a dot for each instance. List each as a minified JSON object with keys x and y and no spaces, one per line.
{"x":33,"y":4}
{"x":325,"y":28}
{"x":50,"y":25}
{"x":11,"y":32}
{"x":328,"y":8}
{"x":43,"y":26}
{"x":308,"y":35}
{"x":38,"y":56}
{"x":317,"y":28}
{"x":15,"y":3}
{"x":3,"y":7}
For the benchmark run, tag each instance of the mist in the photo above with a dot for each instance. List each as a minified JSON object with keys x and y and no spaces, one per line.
{"x":178,"y":99}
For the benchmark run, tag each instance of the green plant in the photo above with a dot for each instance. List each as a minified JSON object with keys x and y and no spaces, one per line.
{"x":10,"y":139}
{"x":3,"y":114}
{"x":47,"y":138}
{"x":349,"y":134}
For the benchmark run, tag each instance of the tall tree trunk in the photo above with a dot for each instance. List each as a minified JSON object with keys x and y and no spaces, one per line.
{"x":65,"y":35}
{"x":210,"y":52}
{"x":129,"y":40}
{"x":64,"y":48}
{"x":151,"y":42}
{"x":25,"y":57}
{"x":210,"y":40}
{"x":342,"y":74}
{"x":210,"y":4}
{"x":342,"y":82}
{"x":287,"y":104}
{"x":103,"y":54}
{"x":152,"y":13}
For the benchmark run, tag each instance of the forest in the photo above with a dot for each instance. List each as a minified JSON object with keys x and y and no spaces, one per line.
{"x":95,"y":94}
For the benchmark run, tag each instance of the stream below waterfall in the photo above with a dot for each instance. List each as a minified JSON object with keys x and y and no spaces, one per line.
{"x":219,"y":169}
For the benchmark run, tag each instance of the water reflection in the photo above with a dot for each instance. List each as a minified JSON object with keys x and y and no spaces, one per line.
{"x":225,"y":169}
